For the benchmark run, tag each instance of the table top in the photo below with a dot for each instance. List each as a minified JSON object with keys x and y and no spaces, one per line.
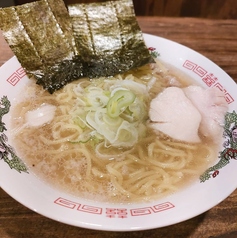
{"x":217,"y":40}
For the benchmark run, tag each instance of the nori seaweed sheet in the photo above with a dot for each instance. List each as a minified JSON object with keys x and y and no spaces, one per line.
{"x":57,"y":45}
{"x":108,"y":37}
{"x":40,"y":34}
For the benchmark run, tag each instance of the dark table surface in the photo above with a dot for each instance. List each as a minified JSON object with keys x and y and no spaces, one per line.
{"x":217,"y":40}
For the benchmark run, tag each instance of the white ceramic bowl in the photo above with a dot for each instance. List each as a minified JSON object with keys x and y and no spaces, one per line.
{"x":192,"y":201}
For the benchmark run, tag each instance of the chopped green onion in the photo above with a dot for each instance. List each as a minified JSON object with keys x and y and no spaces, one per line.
{"x":119,"y":102}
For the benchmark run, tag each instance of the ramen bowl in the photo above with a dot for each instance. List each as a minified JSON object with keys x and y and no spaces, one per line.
{"x":212,"y":187}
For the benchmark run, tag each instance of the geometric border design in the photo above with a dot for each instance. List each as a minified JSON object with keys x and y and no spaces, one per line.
{"x":16,"y":76}
{"x":114,"y":212}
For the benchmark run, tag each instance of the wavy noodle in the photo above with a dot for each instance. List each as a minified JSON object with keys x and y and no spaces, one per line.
{"x":154,"y":167}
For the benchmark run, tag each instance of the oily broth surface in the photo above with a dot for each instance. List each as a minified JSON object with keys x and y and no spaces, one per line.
{"x":154,"y":167}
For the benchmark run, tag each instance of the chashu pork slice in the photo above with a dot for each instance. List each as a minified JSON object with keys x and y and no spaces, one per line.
{"x":172,"y":113}
{"x":212,"y":105}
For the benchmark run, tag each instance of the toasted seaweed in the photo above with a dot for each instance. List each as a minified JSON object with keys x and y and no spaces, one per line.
{"x":57,"y":45}
{"x":40,"y":34}
{"x":108,"y":37}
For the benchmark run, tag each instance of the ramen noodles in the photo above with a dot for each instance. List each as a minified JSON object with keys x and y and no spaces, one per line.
{"x":93,"y":138}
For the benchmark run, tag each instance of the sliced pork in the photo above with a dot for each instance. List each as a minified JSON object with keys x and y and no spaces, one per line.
{"x":212,"y":105}
{"x":172,"y":113}
{"x":184,"y":113}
